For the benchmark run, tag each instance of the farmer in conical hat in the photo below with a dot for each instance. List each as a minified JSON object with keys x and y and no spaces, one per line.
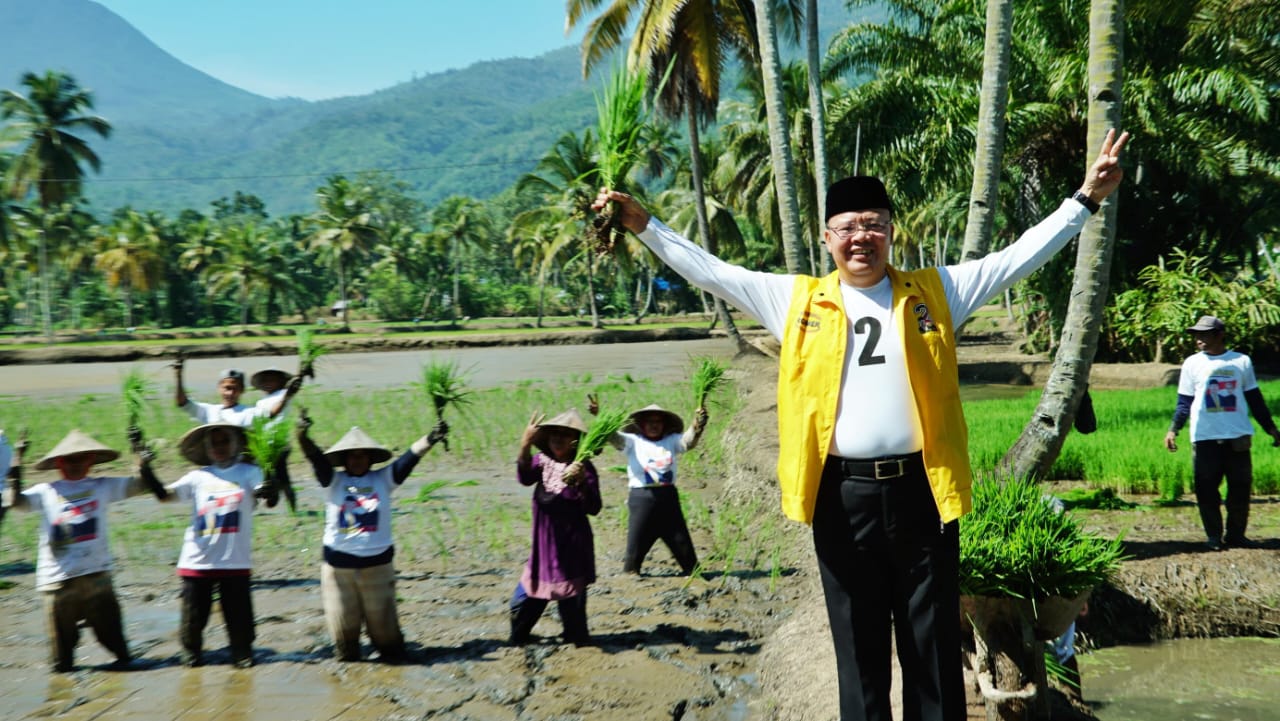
{"x":652,"y":440}
{"x":357,"y":578}
{"x":230,"y":410}
{"x":562,"y":563}
{"x":216,"y":546}
{"x":73,"y":570}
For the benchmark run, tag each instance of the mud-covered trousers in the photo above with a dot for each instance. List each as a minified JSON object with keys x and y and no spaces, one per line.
{"x":353,"y":596}
{"x":653,"y":513}
{"x":888,"y":562}
{"x":90,"y":598}
{"x":237,"y":613}
{"x":1210,"y":461}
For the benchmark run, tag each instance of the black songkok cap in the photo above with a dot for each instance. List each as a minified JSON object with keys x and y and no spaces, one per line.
{"x":859,"y":192}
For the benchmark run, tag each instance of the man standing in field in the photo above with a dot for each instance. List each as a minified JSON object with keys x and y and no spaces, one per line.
{"x":873,"y":448}
{"x":1214,"y":388}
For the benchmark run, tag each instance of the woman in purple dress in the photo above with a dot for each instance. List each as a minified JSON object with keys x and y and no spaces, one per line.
{"x":562,"y":562}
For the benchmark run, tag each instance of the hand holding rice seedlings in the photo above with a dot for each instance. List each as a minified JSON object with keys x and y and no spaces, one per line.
{"x":266,"y":441}
{"x":136,"y":388}
{"x":708,"y":375}
{"x":598,"y":434}
{"x":308,"y":352}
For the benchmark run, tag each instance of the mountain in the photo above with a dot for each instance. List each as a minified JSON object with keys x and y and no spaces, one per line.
{"x":182,"y":139}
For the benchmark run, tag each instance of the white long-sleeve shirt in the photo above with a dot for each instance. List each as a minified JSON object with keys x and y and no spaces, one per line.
{"x":877,"y":414}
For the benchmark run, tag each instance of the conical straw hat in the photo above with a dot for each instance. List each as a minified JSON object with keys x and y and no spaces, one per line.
{"x":357,"y":440}
{"x":569,"y":420}
{"x":256,"y":379}
{"x":77,"y":441}
{"x":671,"y":422}
{"x":191,"y":445}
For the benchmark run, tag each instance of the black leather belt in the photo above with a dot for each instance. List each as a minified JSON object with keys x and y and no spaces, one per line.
{"x":881,"y":469}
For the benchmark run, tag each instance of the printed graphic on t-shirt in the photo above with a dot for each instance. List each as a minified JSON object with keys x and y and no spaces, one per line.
{"x":1220,"y":395}
{"x":219,"y":512}
{"x":76,"y":520}
{"x":924,"y":321}
{"x":659,"y":470}
{"x":359,"y":512}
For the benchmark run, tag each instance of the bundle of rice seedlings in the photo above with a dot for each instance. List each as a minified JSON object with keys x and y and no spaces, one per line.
{"x":308,"y":352}
{"x":708,"y":375}
{"x":266,"y":441}
{"x":445,"y":384}
{"x":136,"y":388}
{"x":599,"y":433}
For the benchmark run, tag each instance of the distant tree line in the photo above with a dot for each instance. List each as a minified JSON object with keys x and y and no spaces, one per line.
{"x":900,"y":99}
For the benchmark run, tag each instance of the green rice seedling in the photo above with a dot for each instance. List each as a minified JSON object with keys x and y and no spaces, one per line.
{"x":266,"y":441}
{"x":708,"y":375}
{"x":308,"y":353}
{"x":599,"y":432}
{"x":430,"y":492}
{"x":134,"y":393}
{"x":444,"y":383}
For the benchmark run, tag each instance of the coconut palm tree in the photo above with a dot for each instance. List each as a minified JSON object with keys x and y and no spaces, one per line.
{"x":47,"y":120}
{"x":344,"y":228}
{"x":784,"y":175}
{"x":688,"y":42}
{"x":460,"y":223}
{"x":817,"y":113}
{"x":1041,"y":441}
{"x":250,"y":263}
{"x":131,"y":257}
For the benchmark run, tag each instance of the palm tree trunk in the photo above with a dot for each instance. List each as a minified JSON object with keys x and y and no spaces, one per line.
{"x":817,"y":117}
{"x":1041,"y":441}
{"x":704,"y":224}
{"x":342,"y":291}
{"x":457,"y":303}
{"x":989,"y":153}
{"x":591,"y":288}
{"x":128,"y":307}
{"x":46,"y":314}
{"x":793,"y":246}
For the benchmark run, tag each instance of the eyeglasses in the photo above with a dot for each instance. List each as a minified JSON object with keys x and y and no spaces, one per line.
{"x":874,"y":227}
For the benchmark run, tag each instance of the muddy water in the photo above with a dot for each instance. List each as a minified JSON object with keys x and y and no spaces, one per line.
{"x":663,"y":361}
{"x":1228,"y":679}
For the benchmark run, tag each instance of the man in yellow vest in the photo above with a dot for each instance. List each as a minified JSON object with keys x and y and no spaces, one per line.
{"x":873,"y":447}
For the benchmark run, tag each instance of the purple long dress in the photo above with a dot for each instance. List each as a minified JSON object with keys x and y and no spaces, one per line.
{"x":562,"y":562}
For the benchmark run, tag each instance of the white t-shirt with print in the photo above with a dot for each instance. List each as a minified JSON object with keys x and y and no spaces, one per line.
{"x":239,"y":414}
{"x":221,"y":530}
{"x":73,"y":525}
{"x":357,"y":515}
{"x":652,"y":463}
{"x":1216,"y":384}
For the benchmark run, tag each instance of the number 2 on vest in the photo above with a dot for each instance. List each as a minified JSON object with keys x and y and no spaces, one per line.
{"x":871,"y":327}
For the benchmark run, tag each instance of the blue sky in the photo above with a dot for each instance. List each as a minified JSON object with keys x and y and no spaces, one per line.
{"x":317,"y":49}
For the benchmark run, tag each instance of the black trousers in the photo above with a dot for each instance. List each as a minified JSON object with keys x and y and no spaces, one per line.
{"x":237,"y":612}
{"x":526,"y":610}
{"x":1210,"y":461}
{"x":888,"y":562}
{"x":653,"y":513}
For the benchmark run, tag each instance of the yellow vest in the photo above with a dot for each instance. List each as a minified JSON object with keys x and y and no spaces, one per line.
{"x":809,"y":369}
